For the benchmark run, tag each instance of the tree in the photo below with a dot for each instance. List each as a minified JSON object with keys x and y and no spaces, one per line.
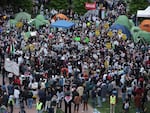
{"x":135,"y":5}
{"x":23,"y":4}
{"x":58,"y":4}
{"x":79,"y":6}
{"x":16,"y":4}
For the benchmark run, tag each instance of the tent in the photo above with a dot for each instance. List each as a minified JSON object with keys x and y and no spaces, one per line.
{"x":121,"y":27}
{"x":40,"y":17}
{"x":63,"y":24}
{"x":60,"y":16}
{"x":123,"y":20}
{"x":91,"y":12}
{"x":22,"y":16}
{"x":144,"y":13}
{"x":138,"y":35}
{"x":12,"y":22}
{"x":145,"y":25}
{"x":37,"y":23}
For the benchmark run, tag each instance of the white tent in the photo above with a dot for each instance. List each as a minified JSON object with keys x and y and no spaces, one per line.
{"x":144,"y":13}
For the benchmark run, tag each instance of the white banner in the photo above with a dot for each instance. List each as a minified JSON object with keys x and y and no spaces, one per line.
{"x":11,"y":66}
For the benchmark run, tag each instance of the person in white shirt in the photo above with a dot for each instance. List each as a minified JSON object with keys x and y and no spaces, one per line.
{"x":16,"y":96}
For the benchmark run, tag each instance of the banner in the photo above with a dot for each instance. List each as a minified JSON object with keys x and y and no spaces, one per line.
{"x":11,"y":66}
{"x":90,"y":6}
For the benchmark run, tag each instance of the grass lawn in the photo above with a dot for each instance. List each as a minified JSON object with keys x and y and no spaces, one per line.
{"x":105,"y":107}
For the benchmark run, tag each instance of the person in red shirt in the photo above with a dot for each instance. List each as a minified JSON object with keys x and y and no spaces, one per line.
{"x":17,"y":81}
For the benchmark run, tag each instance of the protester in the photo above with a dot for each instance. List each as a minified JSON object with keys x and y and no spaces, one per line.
{"x":80,"y":57}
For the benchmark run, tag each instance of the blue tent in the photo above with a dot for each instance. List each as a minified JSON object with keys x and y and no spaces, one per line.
{"x":121,"y":27}
{"x":63,"y":24}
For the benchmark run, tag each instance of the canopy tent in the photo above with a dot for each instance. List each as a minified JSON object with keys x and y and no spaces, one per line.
{"x":144,"y":13}
{"x":91,"y":12}
{"x":22,"y":16}
{"x":63,"y":24}
{"x":123,"y":20}
{"x":61,"y":17}
{"x":145,"y":25}
{"x":138,"y":35}
{"x":122,"y":28}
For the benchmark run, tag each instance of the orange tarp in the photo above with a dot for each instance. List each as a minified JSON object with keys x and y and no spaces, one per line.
{"x":145,"y":25}
{"x":60,"y":16}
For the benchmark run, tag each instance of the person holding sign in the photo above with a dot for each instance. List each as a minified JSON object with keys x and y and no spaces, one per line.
{"x":112,"y":103}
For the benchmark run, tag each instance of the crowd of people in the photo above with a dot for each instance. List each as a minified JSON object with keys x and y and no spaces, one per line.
{"x":57,"y":68}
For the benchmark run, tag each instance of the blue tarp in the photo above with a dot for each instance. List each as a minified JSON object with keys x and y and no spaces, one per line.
{"x":63,"y":24}
{"x":121,"y":27}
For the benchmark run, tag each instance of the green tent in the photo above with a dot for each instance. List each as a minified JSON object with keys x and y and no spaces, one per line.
{"x":37,"y":23}
{"x":46,"y":22}
{"x":12,"y":22}
{"x":27,"y":35}
{"x":40,"y":17}
{"x":22,"y":16}
{"x":138,"y":35}
{"x":123,"y":20}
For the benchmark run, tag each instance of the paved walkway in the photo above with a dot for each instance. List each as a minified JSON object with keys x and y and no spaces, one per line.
{"x":33,"y":110}
{"x":90,"y":109}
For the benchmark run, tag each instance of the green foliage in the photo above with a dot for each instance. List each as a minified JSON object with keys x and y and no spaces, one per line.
{"x":23,"y":4}
{"x":16,"y":4}
{"x":59,"y":4}
{"x":79,"y":6}
{"x":135,"y":5}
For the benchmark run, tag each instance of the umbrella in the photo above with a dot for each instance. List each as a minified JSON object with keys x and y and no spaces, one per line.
{"x":77,"y":39}
{"x":22,"y":16}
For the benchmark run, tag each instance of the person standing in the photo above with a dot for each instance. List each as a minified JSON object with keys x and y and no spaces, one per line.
{"x":29,"y":99}
{"x":112,"y":103}
{"x":85,"y":101}
{"x":77,"y":100}
{"x":126,"y":106}
{"x":39,"y":106}
{"x":11,"y":103}
{"x":137,"y":102}
{"x":16,"y":96}
{"x":68,"y":100}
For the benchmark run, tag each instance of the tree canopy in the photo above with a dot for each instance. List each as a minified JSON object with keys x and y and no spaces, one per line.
{"x":135,"y":5}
